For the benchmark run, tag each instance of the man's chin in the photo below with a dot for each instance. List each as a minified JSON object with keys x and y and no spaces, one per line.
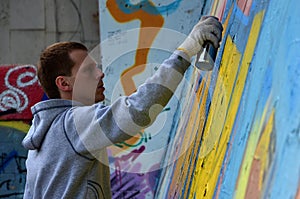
{"x":99,"y":99}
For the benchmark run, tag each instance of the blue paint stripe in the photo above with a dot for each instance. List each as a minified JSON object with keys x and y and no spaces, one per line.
{"x":127,"y":7}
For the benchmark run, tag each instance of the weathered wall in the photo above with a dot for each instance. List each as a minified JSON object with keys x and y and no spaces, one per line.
{"x":229,"y":133}
{"x":27,"y":27}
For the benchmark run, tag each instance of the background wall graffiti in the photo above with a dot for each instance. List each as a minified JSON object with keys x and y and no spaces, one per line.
{"x":19,"y":90}
{"x":12,"y":162}
{"x":229,"y":133}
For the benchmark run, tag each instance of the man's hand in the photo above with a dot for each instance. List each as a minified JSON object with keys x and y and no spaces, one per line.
{"x":208,"y":29}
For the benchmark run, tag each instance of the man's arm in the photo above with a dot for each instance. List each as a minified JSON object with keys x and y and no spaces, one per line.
{"x":100,"y":126}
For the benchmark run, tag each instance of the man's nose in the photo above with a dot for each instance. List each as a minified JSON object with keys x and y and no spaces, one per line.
{"x":100,"y":74}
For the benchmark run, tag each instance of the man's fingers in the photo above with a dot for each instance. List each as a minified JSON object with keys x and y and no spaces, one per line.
{"x":212,"y":38}
{"x":216,"y":31}
{"x":208,"y":16}
{"x":213,"y":21}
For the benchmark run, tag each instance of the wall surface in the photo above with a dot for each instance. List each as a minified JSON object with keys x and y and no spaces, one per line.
{"x":233,"y":132}
{"x":19,"y":90}
{"x":28,"y":26}
{"x":229,"y":133}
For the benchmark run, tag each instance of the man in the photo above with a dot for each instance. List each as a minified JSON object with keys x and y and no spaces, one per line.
{"x":70,"y":132}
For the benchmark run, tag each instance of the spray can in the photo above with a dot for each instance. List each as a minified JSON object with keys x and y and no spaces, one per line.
{"x":206,"y":60}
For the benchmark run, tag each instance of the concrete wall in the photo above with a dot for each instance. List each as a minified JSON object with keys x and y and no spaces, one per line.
{"x":28,"y":26}
{"x":229,"y":133}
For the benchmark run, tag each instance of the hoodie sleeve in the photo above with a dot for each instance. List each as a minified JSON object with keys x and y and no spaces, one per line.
{"x":100,"y":126}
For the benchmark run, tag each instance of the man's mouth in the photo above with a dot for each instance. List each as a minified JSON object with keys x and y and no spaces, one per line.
{"x":100,"y":86}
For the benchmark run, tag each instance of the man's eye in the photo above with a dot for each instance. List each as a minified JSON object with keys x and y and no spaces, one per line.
{"x":89,"y":69}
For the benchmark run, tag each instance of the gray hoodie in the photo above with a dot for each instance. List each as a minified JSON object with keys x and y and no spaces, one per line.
{"x":67,"y":141}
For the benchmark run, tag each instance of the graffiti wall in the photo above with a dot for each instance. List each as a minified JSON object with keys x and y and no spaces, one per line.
{"x":229,"y":133}
{"x":19,"y":90}
{"x":232,"y":132}
{"x":135,"y":38}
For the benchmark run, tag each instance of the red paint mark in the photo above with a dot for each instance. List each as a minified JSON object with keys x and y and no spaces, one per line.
{"x":221,"y":9}
{"x":245,"y":6}
{"x":262,"y":159}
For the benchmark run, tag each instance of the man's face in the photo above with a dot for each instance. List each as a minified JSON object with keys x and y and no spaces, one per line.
{"x":87,"y":79}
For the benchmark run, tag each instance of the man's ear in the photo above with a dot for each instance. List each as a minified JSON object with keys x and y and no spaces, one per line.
{"x":64,"y":83}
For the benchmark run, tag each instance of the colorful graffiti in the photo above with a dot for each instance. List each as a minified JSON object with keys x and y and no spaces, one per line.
{"x":238,"y":135}
{"x":132,"y":173}
{"x":19,"y":90}
{"x":237,"y":154}
{"x":229,"y":133}
{"x":12,"y":163}
{"x":146,"y":12}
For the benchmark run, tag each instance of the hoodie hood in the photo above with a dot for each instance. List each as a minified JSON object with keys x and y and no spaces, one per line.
{"x":44,"y":113}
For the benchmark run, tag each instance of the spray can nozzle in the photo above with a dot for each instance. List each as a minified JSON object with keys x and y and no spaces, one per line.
{"x":206,"y":60}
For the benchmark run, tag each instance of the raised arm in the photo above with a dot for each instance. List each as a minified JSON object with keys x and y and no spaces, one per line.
{"x":100,"y":126}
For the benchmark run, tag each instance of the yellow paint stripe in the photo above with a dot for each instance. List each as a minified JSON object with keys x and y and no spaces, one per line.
{"x":221,"y":97}
{"x":215,"y":120}
{"x":265,"y":144}
{"x":187,"y":134}
{"x":202,"y":115}
{"x":184,"y":151}
{"x":237,"y":93}
{"x":210,"y":165}
{"x":209,"y":169}
{"x":19,"y":125}
{"x":198,"y":125}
